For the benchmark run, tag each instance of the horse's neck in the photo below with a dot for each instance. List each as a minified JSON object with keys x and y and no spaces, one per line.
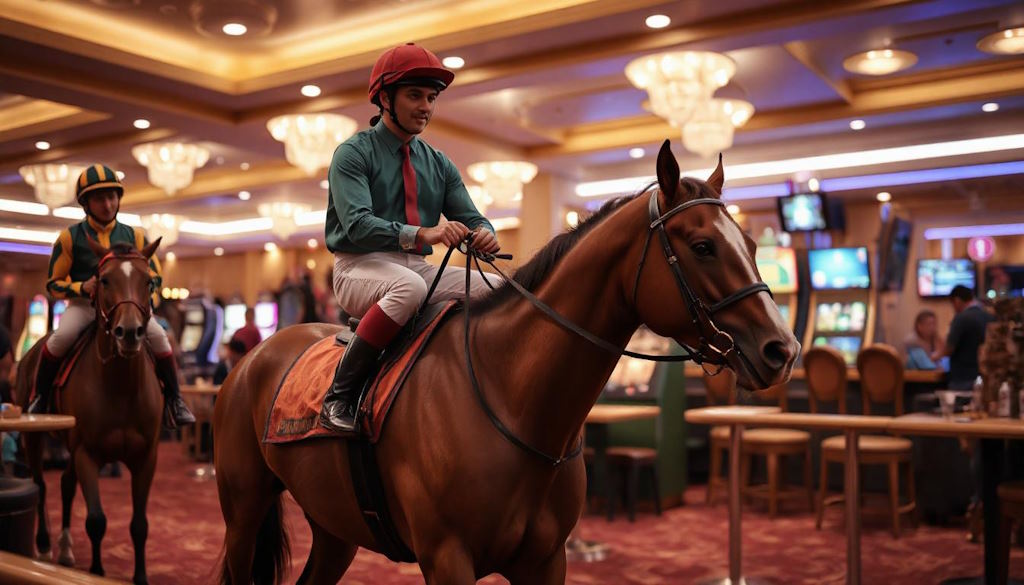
{"x":551,"y":378}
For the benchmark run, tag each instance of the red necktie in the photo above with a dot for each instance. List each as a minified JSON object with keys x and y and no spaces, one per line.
{"x":412,"y":214}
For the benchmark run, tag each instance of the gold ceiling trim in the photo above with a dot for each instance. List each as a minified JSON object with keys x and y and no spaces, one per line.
{"x":951,"y":86}
{"x":27,"y":117}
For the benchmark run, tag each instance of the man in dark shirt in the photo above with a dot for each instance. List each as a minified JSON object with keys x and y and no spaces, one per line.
{"x":249,"y":334}
{"x":966,"y":334}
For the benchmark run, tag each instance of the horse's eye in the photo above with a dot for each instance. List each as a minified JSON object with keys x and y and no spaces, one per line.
{"x":703,"y":249}
{"x":103,"y":280}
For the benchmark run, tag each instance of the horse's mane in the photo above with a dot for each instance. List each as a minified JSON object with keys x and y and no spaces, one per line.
{"x":537,"y":269}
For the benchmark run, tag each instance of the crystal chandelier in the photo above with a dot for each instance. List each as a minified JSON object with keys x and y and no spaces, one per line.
{"x":282,"y":216}
{"x":170,"y":164}
{"x":677,"y":81}
{"x":310,"y":139}
{"x":54,"y":183}
{"x":480,"y":198}
{"x":162,"y":225}
{"x":710,"y":130}
{"x":503,"y":180}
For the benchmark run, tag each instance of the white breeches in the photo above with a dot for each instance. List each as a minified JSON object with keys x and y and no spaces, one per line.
{"x":78,"y":316}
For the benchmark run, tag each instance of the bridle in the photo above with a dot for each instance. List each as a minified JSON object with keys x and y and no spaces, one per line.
{"x":104,"y":314}
{"x":714,"y":347}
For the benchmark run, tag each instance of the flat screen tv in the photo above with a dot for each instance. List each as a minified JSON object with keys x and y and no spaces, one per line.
{"x":778,"y":268}
{"x":896,"y":246}
{"x":839,"y":268}
{"x":936,"y":278}
{"x":803,"y":212}
{"x":1005,"y":281}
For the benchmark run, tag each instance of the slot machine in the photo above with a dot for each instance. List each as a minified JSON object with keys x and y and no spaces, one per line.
{"x":234,"y":319}
{"x":59,"y":306}
{"x":36,"y":322}
{"x":778,"y":269}
{"x":200,"y":336}
{"x":842,"y":308}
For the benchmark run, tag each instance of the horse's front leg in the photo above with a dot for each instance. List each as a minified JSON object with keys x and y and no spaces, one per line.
{"x":550,"y":572}
{"x":142,"y":479}
{"x":68,"y":484}
{"x":95,"y":521}
{"x":448,"y":564}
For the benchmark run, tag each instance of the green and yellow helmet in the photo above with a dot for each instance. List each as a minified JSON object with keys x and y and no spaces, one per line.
{"x":94,"y":178}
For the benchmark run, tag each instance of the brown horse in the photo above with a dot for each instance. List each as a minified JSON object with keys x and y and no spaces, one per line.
{"x":465,"y":499}
{"x":115,"y":397}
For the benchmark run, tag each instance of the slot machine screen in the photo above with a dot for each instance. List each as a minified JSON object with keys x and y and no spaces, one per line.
{"x":777,"y":267}
{"x":841,"y":317}
{"x":847,"y":345}
{"x":195,"y":315}
{"x":839,"y":268}
{"x":266,"y":318}
{"x":59,"y":307}
{"x":234,"y":319}
{"x":803,"y":212}
{"x":191,"y":336}
{"x":631,"y":377}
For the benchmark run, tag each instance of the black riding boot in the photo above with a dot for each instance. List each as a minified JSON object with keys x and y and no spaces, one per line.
{"x":341,"y":405}
{"x":47,"y":373}
{"x":176,"y":413}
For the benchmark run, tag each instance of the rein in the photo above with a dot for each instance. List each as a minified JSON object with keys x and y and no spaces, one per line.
{"x":715,"y":347}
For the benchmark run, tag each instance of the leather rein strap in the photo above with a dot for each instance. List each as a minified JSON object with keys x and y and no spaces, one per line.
{"x":105,"y":314}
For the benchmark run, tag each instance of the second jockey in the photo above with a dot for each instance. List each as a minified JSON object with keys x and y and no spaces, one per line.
{"x":73,"y":268}
{"x":388,"y":189}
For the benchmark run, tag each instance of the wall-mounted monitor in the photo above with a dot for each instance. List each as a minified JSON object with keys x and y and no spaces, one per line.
{"x":896,"y":243}
{"x":777,"y":266}
{"x":803,"y":212}
{"x":849,"y":346}
{"x":266,"y":318}
{"x":936,"y":278}
{"x":839,"y":268}
{"x":234,"y":319}
{"x":840,"y":317}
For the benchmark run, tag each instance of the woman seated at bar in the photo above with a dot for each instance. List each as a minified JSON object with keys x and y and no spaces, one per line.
{"x":923,"y":342}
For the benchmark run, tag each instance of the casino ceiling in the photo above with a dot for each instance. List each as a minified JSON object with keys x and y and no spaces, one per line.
{"x":542,"y":82}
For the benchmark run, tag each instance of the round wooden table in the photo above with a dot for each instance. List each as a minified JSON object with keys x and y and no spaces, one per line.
{"x":29,"y":423}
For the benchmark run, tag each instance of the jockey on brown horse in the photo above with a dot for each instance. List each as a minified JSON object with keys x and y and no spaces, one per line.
{"x":388,"y":189}
{"x":72,"y":276}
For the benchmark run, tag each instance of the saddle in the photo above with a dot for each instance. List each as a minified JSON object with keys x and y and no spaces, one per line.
{"x":294,"y":414}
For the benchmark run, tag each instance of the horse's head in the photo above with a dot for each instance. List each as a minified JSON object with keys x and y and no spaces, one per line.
{"x":714,"y":301}
{"x":122,"y":294}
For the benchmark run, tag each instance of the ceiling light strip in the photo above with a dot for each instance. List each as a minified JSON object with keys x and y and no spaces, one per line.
{"x":922,"y":176}
{"x":972,"y":231}
{"x":15,"y":248}
{"x":822,"y":162}
{"x":23,"y":235}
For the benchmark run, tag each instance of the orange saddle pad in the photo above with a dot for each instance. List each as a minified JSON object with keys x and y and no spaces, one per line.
{"x":295,"y":413}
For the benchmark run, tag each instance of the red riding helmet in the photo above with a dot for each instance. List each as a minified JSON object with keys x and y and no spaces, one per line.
{"x":408,"y":64}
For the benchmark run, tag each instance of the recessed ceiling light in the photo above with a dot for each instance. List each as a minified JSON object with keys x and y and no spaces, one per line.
{"x":310,"y":90}
{"x":453,"y":62}
{"x":311,"y":264}
{"x":270,"y":247}
{"x":857,"y":124}
{"x":325,"y":184}
{"x":218,"y":251}
{"x":1005,"y":42}
{"x":657,"y":21}
{"x":244,"y":195}
{"x":234,"y":29}
{"x":636,"y":153}
{"x":141,"y":123}
{"x":732,"y":209}
{"x":989,"y":107}
{"x":170,"y":257}
{"x":813,"y":184}
{"x":244,"y":166}
{"x":572,"y":218}
{"x":311,"y":242}
{"x":879,"y":61}
{"x":883,"y":196}
{"x":43,"y":145}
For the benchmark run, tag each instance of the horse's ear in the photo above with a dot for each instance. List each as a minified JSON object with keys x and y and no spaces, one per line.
{"x":668,"y":171}
{"x":717,"y":178}
{"x":96,"y":248}
{"x":150,"y":249}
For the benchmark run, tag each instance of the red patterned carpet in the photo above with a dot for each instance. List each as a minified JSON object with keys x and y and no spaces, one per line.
{"x":684,"y":546}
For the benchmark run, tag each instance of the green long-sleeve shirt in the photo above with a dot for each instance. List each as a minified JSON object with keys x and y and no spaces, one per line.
{"x":366,"y":200}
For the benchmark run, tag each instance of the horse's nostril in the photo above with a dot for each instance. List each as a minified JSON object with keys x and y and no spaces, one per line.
{"x":138,"y":332}
{"x":119,"y":332}
{"x":775,"y":353}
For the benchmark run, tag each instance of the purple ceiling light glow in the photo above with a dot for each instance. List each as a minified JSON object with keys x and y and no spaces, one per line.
{"x":25,"y":249}
{"x":971,"y":231}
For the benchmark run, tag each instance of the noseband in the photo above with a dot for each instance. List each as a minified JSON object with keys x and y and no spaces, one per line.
{"x":105,"y":314}
{"x":715,"y":347}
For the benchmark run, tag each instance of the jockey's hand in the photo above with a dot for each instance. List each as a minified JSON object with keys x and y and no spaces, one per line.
{"x":449,"y":233}
{"x":485,"y":241}
{"x":89,"y":286}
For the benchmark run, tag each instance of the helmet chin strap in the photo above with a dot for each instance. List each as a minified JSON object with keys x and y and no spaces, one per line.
{"x":392,"y":91}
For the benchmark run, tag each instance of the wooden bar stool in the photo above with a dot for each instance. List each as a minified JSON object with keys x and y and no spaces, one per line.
{"x":1011,"y":509}
{"x":633,"y":460}
{"x":881,"y":380}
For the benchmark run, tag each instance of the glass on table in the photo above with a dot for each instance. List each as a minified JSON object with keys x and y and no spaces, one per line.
{"x":947,"y":402}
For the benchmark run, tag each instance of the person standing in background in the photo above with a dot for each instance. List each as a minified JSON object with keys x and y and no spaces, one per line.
{"x":966,"y":334}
